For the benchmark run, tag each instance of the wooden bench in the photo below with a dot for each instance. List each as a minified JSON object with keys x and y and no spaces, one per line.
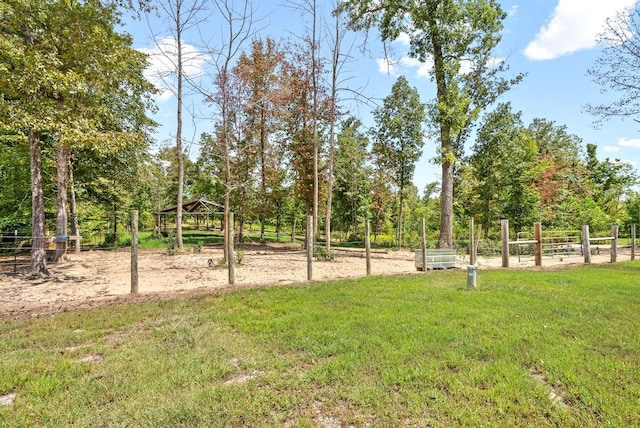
{"x":437,"y":258}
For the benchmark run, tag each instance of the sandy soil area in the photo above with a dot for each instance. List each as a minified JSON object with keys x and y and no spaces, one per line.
{"x":95,"y":278}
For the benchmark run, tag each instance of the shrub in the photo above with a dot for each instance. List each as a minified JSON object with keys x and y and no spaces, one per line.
{"x":197,"y":247}
{"x":383,"y":241}
{"x":322,"y":255}
{"x":110,"y":239}
{"x":239,"y":256}
{"x":126,"y":242}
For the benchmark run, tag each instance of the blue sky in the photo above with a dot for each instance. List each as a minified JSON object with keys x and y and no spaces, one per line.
{"x":552,"y":41}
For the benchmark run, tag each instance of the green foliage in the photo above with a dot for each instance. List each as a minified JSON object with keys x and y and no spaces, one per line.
{"x":321,"y":254}
{"x":67,"y":77}
{"x":504,"y":166}
{"x":632,"y":207}
{"x":398,"y":139}
{"x":612,"y":180}
{"x":239,"y":256}
{"x":126,"y":242}
{"x":351,"y":198}
{"x":110,"y":240}
{"x":573,"y":213}
{"x":449,"y":34}
{"x":197,"y":247}
{"x":15,"y":195}
{"x":384,"y":241}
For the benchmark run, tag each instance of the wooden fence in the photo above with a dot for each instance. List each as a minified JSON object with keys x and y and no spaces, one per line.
{"x":564,"y":244}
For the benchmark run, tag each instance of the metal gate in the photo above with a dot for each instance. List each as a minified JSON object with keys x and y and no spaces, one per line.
{"x":555,"y":243}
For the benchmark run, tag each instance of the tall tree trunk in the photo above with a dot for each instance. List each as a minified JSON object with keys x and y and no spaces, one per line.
{"x":314,"y":82}
{"x":445,"y":239}
{"x":227,"y":202}
{"x":61,"y":199}
{"x":263,"y":173}
{"x":38,"y":251}
{"x":332,"y":133}
{"x":115,"y":222}
{"x":399,"y":226}
{"x":73,"y":210}
{"x":179,"y":128}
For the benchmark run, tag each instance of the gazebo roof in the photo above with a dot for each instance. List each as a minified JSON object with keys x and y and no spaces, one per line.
{"x":198,"y":206}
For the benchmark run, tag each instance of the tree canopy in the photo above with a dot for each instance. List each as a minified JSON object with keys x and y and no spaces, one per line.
{"x":458,"y":37}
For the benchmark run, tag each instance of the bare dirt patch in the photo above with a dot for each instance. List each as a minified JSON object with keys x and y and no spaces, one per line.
{"x":95,"y":278}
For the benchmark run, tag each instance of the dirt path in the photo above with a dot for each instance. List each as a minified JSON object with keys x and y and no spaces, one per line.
{"x":95,"y":278}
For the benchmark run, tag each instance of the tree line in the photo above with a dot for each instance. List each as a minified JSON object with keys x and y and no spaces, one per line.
{"x":282,"y":143}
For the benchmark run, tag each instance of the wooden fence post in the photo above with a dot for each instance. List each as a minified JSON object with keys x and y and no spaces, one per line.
{"x":472,"y":246}
{"x":423,"y":233}
{"x":367,"y":245}
{"x":477,"y":243}
{"x":504,"y":225}
{"x":633,"y":241}
{"x":585,"y":243}
{"x":230,"y":251}
{"x":134,"y":251}
{"x":537,"y":249}
{"x":614,"y":244}
{"x":309,"y":247}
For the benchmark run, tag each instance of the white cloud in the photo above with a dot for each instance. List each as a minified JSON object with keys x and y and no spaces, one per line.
{"x":395,"y":68}
{"x":385,"y":66}
{"x":422,"y":68}
{"x":404,"y":39}
{"x":163,"y":63}
{"x":625,"y":142}
{"x":574,"y":26}
{"x":514,"y":10}
{"x":610,"y":149}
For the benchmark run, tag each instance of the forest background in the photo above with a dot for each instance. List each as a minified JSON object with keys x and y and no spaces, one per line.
{"x":286,"y":131}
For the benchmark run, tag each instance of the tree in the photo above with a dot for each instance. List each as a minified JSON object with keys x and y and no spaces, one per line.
{"x":259,"y":73}
{"x":503,"y":163}
{"x":181,"y":15}
{"x":300,"y":120}
{"x":168,"y":158}
{"x":237,"y":30}
{"x":611,"y":179}
{"x":559,"y":166}
{"x":454,"y":35}
{"x":109,"y":184}
{"x":68,"y":76}
{"x":311,"y":39}
{"x":91,"y":54}
{"x":616,"y":69}
{"x":340,"y":55}
{"x":15,"y":207}
{"x":398,"y":139}
{"x":351,"y":174}
{"x":381,"y":196}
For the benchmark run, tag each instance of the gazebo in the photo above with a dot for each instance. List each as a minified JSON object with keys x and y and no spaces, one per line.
{"x":199,"y":208}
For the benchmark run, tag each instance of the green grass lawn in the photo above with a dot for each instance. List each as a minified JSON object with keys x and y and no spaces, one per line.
{"x":527,"y":348}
